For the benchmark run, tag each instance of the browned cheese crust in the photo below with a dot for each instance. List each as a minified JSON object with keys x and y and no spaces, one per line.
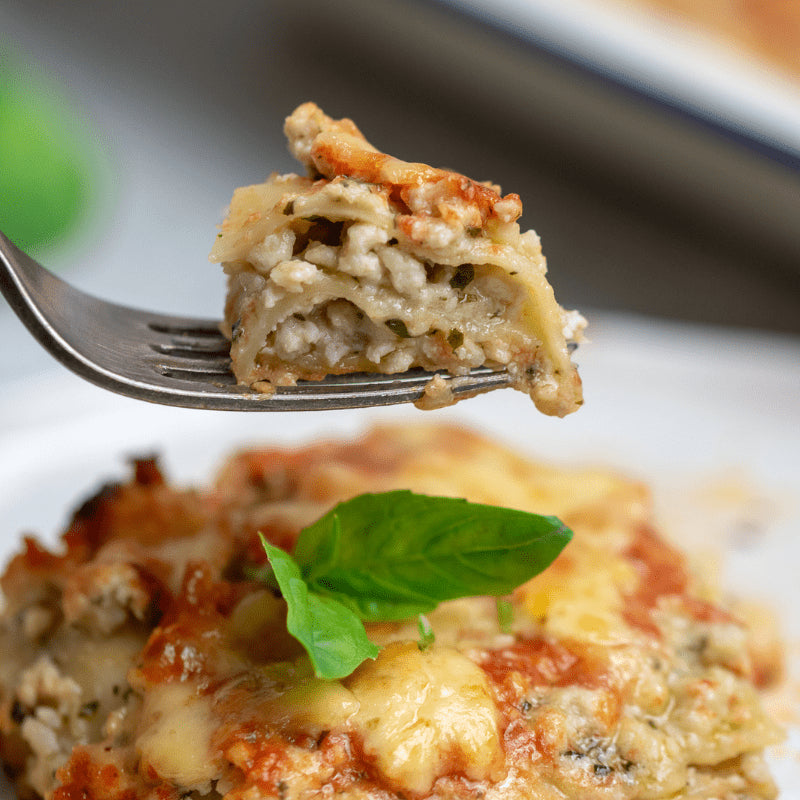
{"x":373,"y":264}
{"x":139,"y":662}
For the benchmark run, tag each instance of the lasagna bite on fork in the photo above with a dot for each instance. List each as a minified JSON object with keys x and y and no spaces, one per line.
{"x":373,"y":264}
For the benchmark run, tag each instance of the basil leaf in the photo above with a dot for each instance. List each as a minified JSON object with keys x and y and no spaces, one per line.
{"x":333,"y":636}
{"x":399,"y":554}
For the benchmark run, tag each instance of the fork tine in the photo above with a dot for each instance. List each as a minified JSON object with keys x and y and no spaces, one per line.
{"x":193,"y":350}
{"x":215,"y":367}
{"x":175,"y":326}
{"x":198,"y":374}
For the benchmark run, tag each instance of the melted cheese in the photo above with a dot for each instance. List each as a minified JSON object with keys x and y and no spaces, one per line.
{"x":590,"y":605}
{"x":174,"y":737}
{"x":422,"y":714}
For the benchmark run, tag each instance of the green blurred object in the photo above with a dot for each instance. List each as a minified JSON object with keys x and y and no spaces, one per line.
{"x":44,"y":165}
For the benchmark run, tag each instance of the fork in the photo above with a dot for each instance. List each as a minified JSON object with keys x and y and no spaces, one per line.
{"x":183,"y":361}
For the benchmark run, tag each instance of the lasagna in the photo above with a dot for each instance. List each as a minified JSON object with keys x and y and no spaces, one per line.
{"x":141,"y":660}
{"x":372,"y":264}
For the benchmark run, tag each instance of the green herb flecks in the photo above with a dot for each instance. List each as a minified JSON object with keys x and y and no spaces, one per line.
{"x":455,"y":338}
{"x":398,"y":328}
{"x":426,"y":634}
{"x":505,"y":614}
{"x":463,"y":276}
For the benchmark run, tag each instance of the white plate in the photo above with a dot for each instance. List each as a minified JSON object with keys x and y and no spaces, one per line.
{"x":710,"y":418}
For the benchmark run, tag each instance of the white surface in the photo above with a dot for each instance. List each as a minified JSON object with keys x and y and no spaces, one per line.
{"x":664,"y":60}
{"x":681,"y":407}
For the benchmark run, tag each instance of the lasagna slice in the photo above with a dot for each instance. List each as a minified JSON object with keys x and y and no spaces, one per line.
{"x":142,"y":661}
{"x":372,"y":264}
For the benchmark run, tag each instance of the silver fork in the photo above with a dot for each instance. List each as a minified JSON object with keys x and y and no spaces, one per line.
{"x":182,"y":361}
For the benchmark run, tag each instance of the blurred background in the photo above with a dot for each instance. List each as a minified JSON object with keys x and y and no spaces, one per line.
{"x":656,"y":148}
{"x":658,"y":156}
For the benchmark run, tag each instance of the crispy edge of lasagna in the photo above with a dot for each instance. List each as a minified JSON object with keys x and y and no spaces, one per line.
{"x":140,"y":662}
{"x":373,"y":264}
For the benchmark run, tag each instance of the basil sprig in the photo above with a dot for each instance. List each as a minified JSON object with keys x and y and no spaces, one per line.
{"x":396,"y":555}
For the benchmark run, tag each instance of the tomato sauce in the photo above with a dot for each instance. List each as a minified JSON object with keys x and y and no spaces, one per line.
{"x":662,"y":572}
